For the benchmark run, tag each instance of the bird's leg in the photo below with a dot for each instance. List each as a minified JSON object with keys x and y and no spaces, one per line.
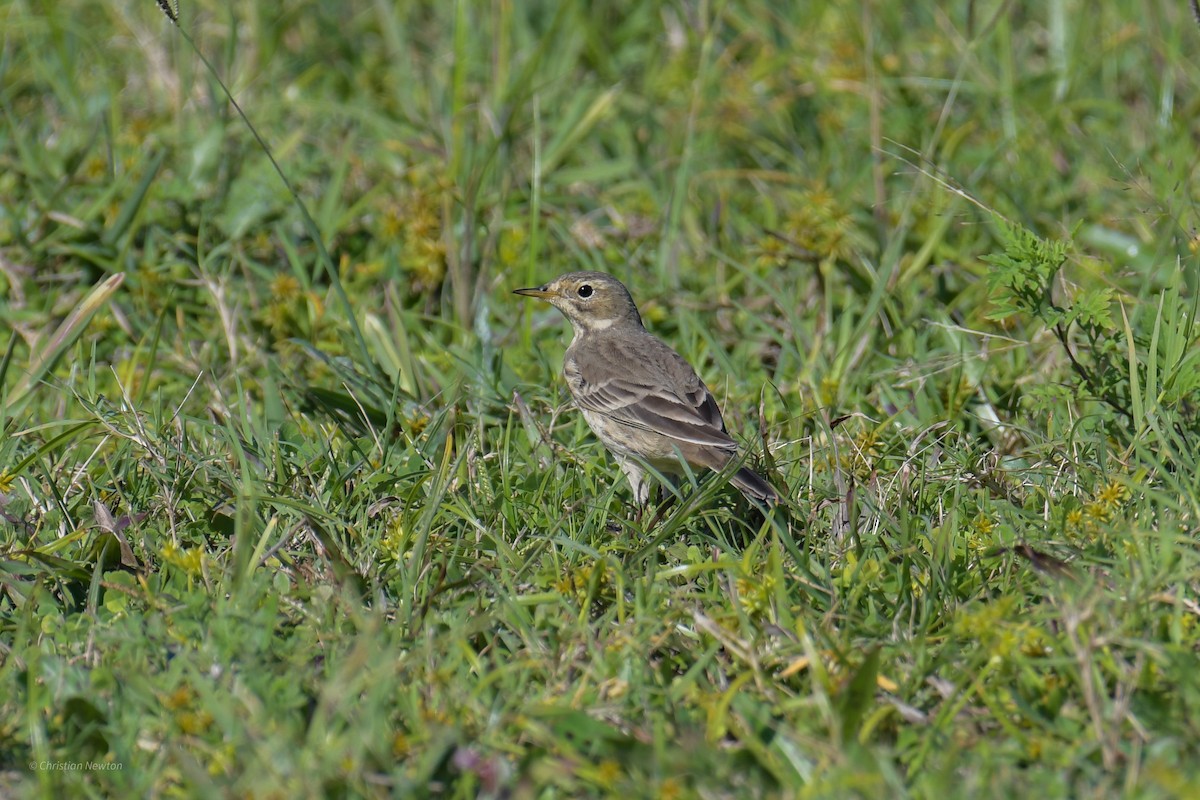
{"x":660,"y":511}
{"x":640,"y":486}
{"x":643,"y":487}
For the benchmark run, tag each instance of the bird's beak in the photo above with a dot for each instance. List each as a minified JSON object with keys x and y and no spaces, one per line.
{"x":540,"y":292}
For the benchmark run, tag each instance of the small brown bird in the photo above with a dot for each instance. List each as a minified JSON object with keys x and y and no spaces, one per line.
{"x":647,"y":404}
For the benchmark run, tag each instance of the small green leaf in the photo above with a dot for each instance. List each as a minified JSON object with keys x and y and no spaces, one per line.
{"x":858,"y":695}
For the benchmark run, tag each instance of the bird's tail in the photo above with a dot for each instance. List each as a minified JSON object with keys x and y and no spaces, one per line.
{"x":754,"y":486}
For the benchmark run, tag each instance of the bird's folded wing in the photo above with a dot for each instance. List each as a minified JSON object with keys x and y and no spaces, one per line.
{"x":691,"y":415}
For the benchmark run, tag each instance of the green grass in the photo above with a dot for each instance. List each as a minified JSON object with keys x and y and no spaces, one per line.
{"x":294,"y":503}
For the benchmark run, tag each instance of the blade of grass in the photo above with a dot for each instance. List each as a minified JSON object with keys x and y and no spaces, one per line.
{"x":66,"y":335}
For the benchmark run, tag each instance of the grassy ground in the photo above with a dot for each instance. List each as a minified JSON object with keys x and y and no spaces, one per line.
{"x":298,"y":506}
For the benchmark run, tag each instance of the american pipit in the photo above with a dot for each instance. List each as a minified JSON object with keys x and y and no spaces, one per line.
{"x":645,"y":403}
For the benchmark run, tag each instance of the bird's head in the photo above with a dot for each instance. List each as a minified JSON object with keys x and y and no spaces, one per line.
{"x":592,"y":301}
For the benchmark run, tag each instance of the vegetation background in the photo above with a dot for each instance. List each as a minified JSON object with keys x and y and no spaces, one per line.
{"x":294,"y":503}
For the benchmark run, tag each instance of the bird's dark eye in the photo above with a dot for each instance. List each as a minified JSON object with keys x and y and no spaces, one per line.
{"x":585,"y":290}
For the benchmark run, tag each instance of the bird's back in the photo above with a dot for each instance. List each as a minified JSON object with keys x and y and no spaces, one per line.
{"x":635,"y":379}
